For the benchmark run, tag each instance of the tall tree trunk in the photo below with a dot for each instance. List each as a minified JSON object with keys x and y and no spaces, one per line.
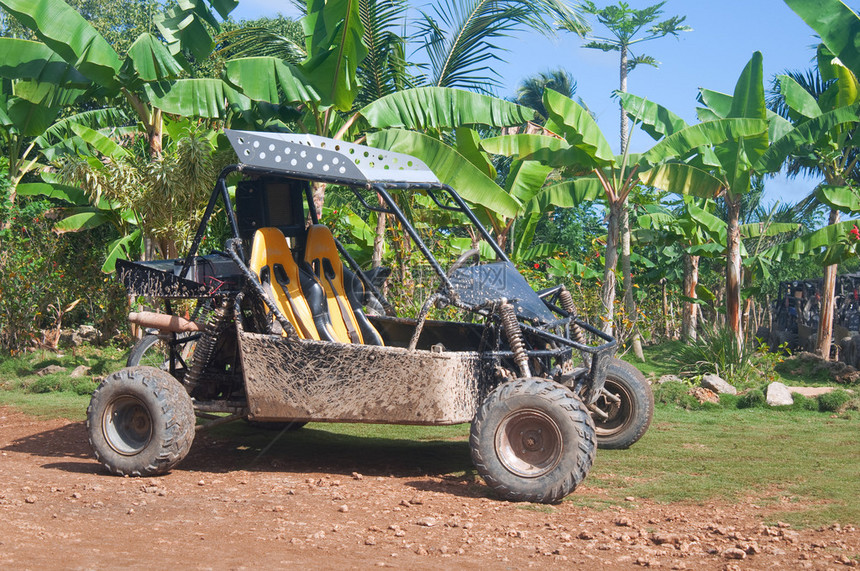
{"x":607,"y":291}
{"x":154,"y":133}
{"x":318,"y":189}
{"x":828,"y":303}
{"x":624,"y":224}
{"x":622,"y":87}
{"x":733,"y":267}
{"x":689,"y":308}
{"x":665,"y":308}
{"x":379,"y":237}
{"x":627,"y":280}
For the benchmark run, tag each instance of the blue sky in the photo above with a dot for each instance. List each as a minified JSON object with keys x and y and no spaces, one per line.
{"x":725,"y":34}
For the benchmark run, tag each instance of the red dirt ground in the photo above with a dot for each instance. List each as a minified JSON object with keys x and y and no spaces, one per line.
{"x":60,"y":510}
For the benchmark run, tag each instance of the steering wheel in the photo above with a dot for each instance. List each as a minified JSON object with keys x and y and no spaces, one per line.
{"x":463,"y":259}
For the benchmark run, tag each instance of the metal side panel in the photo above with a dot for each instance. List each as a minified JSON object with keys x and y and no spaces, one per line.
{"x":312,"y":156}
{"x":323,"y":381}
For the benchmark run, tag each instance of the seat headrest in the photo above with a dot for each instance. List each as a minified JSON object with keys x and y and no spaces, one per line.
{"x":320,"y":245}
{"x":268,"y":242}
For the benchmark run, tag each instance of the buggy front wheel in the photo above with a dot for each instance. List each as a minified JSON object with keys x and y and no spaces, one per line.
{"x":532,"y":440}
{"x":140,"y":422}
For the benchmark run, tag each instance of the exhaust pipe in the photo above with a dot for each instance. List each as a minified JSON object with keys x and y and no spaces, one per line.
{"x":163,"y":322}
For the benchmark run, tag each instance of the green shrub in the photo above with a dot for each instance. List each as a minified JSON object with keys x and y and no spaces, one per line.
{"x":802,"y":402}
{"x":84,"y":386}
{"x":728,"y":400}
{"x":676,"y":393}
{"x":754,"y":398}
{"x":49,"y":384}
{"x":834,"y":401}
{"x":42,"y":274}
{"x":717,"y":351}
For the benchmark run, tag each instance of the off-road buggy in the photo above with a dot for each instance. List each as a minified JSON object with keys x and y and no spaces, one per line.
{"x":289,"y":329}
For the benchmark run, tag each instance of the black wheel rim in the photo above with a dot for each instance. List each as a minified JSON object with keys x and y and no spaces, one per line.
{"x":127,"y":425}
{"x":528,"y":443}
{"x":619,"y":414}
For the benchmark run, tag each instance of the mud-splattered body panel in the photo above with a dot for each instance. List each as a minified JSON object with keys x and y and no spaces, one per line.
{"x":323,"y":381}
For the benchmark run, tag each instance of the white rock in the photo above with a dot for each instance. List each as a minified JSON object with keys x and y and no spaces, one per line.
{"x":778,"y":395}
{"x":80,"y":371}
{"x":718,"y":385}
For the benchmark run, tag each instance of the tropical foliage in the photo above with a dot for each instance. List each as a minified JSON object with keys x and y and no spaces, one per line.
{"x":110,"y":136}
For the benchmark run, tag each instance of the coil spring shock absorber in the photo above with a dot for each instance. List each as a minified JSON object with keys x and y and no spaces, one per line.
{"x":206,"y":345}
{"x":515,"y":337}
{"x":575,"y":330}
{"x":567,"y":304}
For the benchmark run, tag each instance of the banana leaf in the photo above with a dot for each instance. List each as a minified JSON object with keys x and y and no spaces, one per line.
{"x":451,"y":168}
{"x":149,"y":59}
{"x":836,"y":24}
{"x":207,"y":98}
{"x":442,"y":108}
{"x":272,"y":80}
{"x":654,"y":119}
{"x":25,"y":59}
{"x":122,"y":249}
{"x":66,"y":32}
{"x":578,"y":126}
{"x":333,"y":34}
{"x":843,"y":198}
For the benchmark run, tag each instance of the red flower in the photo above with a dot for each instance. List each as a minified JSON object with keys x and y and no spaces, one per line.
{"x":855,"y":233}
{"x":537,"y":266}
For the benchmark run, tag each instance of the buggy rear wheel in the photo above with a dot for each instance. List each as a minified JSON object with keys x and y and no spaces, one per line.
{"x":154,"y":351}
{"x":629,"y":407}
{"x":140,"y":422}
{"x":532,"y":440}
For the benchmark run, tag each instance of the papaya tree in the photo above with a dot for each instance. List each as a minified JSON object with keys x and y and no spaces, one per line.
{"x":627,"y":29}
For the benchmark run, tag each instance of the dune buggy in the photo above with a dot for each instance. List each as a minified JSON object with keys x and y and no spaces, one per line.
{"x":289,"y":329}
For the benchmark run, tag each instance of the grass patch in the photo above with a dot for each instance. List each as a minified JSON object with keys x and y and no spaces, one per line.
{"x":658,"y":359}
{"x":56,"y":395}
{"x":50,"y":405}
{"x":736,"y":454}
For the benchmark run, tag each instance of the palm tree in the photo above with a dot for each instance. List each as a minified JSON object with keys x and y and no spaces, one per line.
{"x":531,"y":89}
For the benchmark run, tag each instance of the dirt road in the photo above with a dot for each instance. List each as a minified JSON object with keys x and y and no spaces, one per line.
{"x":60,"y":510}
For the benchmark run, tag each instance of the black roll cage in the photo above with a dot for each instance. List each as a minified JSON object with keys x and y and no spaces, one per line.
{"x":381,"y":188}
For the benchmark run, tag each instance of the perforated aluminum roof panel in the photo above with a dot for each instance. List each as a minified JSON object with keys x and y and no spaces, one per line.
{"x":314,"y":156}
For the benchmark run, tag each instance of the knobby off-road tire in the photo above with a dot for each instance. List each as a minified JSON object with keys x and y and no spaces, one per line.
{"x":532,"y":440}
{"x":140,"y":422}
{"x":630,"y":418}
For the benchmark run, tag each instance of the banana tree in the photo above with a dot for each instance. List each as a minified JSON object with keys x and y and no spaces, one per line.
{"x":836,"y":24}
{"x":576,"y":144}
{"x":682,"y":228}
{"x":147,"y":76}
{"x":824,"y":142}
{"x":39,"y":86}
